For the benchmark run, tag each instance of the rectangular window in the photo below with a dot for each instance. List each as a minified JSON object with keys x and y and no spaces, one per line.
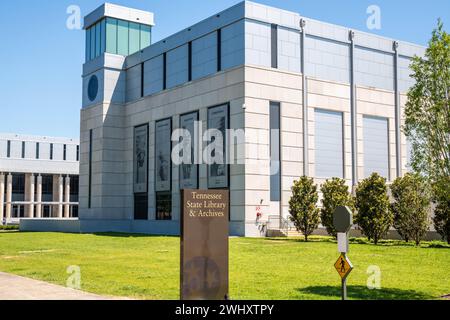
{"x":78,"y":153}
{"x":74,"y":188}
{"x":122,"y":37}
{"x":163,"y":150}
{"x":145,"y":36}
{"x":140,"y":160}
{"x":164,"y":71}
{"x":23,"y":149}
{"x":102,"y":36}
{"x":47,"y":185}
{"x":140,"y":206}
{"x":37,"y":150}
{"x":275,"y":163}
{"x":274,"y":45}
{"x":97,"y":39}
{"x":8,"y":149}
{"x":219,"y":50}
{"x":376,"y":146}
{"x":51,"y":151}
{"x":88,"y":45}
{"x":218,"y":173}
{"x":18,"y":183}
{"x":92,"y":30}
{"x":134,"y":37}
{"x":190,"y":61}
{"x":189,"y":171}
{"x":65,"y":152}
{"x":329,"y":144}
{"x":74,"y":185}
{"x":90,"y":171}
{"x":163,"y":206}
{"x":111,"y":35}
{"x":163,"y":169}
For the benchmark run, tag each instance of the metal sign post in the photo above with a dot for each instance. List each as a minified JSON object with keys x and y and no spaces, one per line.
{"x":342,"y":221}
{"x":344,"y":289}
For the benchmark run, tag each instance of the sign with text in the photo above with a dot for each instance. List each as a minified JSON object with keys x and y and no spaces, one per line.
{"x":204,"y":245}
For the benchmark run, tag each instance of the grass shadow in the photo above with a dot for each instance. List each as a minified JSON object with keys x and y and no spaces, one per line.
{"x":363,"y":293}
{"x":131,"y":235}
{"x":439,"y":245}
{"x":302,"y":240}
{"x":401,"y":243}
{"x":364,"y":241}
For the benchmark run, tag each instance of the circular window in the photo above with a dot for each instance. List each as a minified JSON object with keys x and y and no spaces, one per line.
{"x":93,"y":88}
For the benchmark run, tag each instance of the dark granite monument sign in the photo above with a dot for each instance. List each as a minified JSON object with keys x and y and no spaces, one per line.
{"x":204,"y":245}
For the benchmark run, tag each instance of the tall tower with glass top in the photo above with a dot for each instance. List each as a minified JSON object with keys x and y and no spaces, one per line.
{"x":113,"y":34}
{"x":117,"y":30}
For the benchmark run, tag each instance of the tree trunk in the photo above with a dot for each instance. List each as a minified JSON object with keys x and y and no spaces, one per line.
{"x":375,"y":240}
{"x":306,"y":237}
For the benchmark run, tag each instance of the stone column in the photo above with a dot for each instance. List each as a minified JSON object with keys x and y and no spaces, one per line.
{"x":39,"y":196}
{"x":60,"y":196}
{"x":67,"y":198}
{"x":29,"y":195}
{"x":8,"y":196}
{"x":2,"y":196}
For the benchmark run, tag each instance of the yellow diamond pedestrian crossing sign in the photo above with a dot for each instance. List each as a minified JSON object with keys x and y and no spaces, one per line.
{"x":343,"y":266}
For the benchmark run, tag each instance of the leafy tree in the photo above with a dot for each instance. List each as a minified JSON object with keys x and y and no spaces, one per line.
{"x":441,"y":217}
{"x":411,"y":207}
{"x":335,"y":193}
{"x":427,"y":112}
{"x":372,"y":203}
{"x":303,"y":206}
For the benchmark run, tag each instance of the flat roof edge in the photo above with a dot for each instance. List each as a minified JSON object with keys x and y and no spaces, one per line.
{"x":119,"y":12}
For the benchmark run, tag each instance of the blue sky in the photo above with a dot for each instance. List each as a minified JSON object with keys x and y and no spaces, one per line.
{"x":41,"y":60}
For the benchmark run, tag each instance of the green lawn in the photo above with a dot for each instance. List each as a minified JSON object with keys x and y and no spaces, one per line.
{"x":148,"y":267}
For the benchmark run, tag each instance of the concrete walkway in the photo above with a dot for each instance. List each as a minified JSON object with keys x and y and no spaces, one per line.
{"x":13,"y":287}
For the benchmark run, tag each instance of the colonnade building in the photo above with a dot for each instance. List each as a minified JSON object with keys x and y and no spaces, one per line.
{"x":38,"y":177}
{"x":334,"y":97}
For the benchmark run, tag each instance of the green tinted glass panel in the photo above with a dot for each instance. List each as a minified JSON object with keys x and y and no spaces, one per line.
{"x":103,"y":37}
{"x":145,"y":36}
{"x":92,"y":42}
{"x":111,"y":35}
{"x":88,"y":44}
{"x":97,"y":39}
{"x":122,"y":38}
{"x":134,"y":37}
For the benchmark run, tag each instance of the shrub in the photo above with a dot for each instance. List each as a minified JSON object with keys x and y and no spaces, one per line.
{"x":335,"y":194}
{"x":303,"y":206}
{"x":374,"y":216}
{"x":410,"y":209}
{"x":441,"y":197}
{"x":9,"y":227}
